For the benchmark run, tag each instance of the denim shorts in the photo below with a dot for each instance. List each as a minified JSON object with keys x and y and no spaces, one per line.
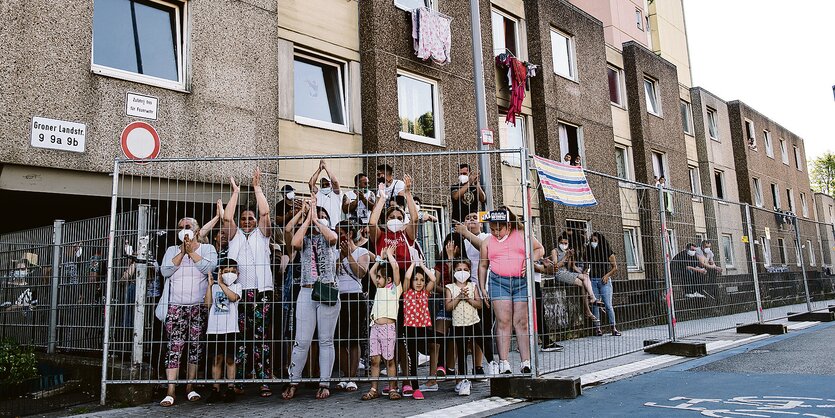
{"x":508,"y":288}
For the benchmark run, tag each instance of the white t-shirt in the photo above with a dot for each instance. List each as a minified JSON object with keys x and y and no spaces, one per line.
{"x":474,"y":255}
{"x":253,"y":256}
{"x":348,"y":282}
{"x":332,"y":202}
{"x":363,"y":211}
{"x":223,"y":314}
{"x":395,"y":188}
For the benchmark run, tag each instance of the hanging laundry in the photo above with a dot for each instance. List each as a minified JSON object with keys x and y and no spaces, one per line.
{"x":564,"y":184}
{"x":518,"y":76}
{"x":431,"y":35}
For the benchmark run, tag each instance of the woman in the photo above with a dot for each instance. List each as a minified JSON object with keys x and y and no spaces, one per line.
{"x":186,"y":267}
{"x":316,"y":241}
{"x":562,"y":263}
{"x":503,"y":253}
{"x":603,"y":265}
{"x":351,"y":269}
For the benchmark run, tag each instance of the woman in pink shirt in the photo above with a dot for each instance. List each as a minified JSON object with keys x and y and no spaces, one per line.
{"x":504,"y":254}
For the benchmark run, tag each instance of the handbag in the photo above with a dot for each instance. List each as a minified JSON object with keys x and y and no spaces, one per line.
{"x":161,"y":310}
{"x":326,"y":293}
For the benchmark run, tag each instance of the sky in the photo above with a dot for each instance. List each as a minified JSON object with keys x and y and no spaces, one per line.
{"x":777,"y":56}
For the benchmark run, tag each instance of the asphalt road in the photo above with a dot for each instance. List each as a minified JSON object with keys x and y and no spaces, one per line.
{"x":784,"y":376}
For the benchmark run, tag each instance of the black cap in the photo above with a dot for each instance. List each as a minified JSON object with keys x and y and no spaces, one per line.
{"x":287,"y":189}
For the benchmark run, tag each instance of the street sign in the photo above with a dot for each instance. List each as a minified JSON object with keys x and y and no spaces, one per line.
{"x":486,"y":137}
{"x":140,"y":141}
{"x":141,"y":106}
{"x":58,"y":134}
{"x":745,"y":239}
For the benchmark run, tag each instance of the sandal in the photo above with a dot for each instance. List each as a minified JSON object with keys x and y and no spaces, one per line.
{"x":265,"y":391}
{"x":289,"y":392}
{"x":193,"y":396}
{"x":167,"y":401}
{"x":616,"y":333}
{"x":371,"y":394}
{"x":351,"y":387}
{"x":323,"y":393}
{"x":597,"y":302}
{"x":394,"y":395}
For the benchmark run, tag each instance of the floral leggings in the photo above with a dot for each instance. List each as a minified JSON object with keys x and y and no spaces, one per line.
{"x":255,"y":321}
{"x":184,"y":324}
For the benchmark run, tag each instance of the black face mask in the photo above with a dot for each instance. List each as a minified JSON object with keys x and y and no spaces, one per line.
{"x":381,"y":179}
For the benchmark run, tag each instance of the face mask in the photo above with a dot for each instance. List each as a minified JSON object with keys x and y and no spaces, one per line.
{"x":708,"y":252}
{"x":290,"y":196}
{"x":229,"y":278}
{"x":78,"y":253}
{"x":395,"y":225}
{"x":185,"y":232}
{"x":19,"y":274}
{"x":594,"y":244}
{"x":326,"y":190}
{"x":462,"y":276}
{"x":325,"y":223}
{"x":463,"y":178}
{"x":691,"y":253}
{"x":564,"y":247}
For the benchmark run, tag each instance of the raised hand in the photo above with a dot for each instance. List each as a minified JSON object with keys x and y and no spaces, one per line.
{"x":322,"y":165}
{"x":390,"y":250}
{"x":474,"y":177}
{"x":460,"y":228}
{"x":256,"y":177}
{"x":220,"y":208}
{"x":235,"y":187}
{"x":407,"y":182}
{"x":450,"y":250}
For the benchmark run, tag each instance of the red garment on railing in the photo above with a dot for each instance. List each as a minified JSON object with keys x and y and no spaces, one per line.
{"x":518,"y":74}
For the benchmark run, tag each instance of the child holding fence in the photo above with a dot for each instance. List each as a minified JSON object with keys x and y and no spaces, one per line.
{"x":464,"y":302}
{"x":383,"y":333}
{"x":222,"y":296}
{"x":417,"y":324}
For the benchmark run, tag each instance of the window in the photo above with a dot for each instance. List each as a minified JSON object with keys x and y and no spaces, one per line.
{"x":781,"y":248}
{"x":651,"y":94}
{"x":512,"y":137}
{"x":430,"y":234}
{"x":686,"y":117}
{"x":319,"y":91}
{"x":712,"y":126}
{"x":140,"y":40}
{"x":803,"y":206}
{"x":775,"y":196}
{"x":797,"y":159}
{"x":622,"y":161}
{"x":639,"y":19}
{"x":784,"y":150}
{"x":695,"y":184}
{"x":659,"y":166}
{"x":790,"y":196}
{"x":630,"y":244}
{"x":750,"y":136}
{"x":562,"y":48}
{"x":758,"y":193}
{"x":579,"y":227}
{"x":797,"y":253}
{"x":505,"y":33}
{"x":719,"y":180}
{"x":765,"y":243}
{"x":615,"y":85}
{"x":418,"y":106}
{"x":811,"y":250}
{"x":728,"y":250}
{"x":672,"y":242}
{"x":571,"y":141}
{"x":769,"y":150}
{"x":410,"y":5}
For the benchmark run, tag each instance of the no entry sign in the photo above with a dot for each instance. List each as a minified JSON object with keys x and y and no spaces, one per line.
{"x":140,"y":141}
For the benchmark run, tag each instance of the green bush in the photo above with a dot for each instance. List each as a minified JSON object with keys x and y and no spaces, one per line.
{"x":16,"y":363}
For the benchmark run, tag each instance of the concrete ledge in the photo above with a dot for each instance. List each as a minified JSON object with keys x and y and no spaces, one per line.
{"x":812,"y":316}
{"x":762,"y":328}
{"x":831,"y":308}
{"x":87,"y":370}
{"x":677,"y":348}
{"x":536,"y":388}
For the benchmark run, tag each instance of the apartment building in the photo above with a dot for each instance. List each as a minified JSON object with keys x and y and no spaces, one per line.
{"x":825,"y":209}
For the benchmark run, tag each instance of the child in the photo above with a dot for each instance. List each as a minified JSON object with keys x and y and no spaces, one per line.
{"x":417,"y":324}
{"x":464,"y":302}
{"x":383,"y":333}
{"x":222,"y":300}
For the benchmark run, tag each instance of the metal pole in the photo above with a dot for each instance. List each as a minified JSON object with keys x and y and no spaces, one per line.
{"x":534,"y":341}
{"x":57,"y":238}
{"x":799,"y":248}
{"x":141,"y":281}
{"x":484,"y":168}
{"x":668,"y":280}
{"x":751,"y":248}
{"x":111,"y":244}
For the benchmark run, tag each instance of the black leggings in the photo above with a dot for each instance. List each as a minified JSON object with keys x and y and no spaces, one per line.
{"x":461,"y":335}
{"x":485,"y":340}
{"x":421,"y":339}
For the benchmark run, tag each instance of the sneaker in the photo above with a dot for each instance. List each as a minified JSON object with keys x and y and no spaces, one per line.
{"x":504,"y":367}
{"x":418,"y":395}
{"x":464,"y":390}
{"x":428,"y":388}
{"x":551,"y":346}
{"x":525,"y":367}
{"x":480,"y":371}
{"x":422,"y":359}
{"x":698,"y":295}
{"x":458,"y":386}
{"x":493,"y":367}
{"x":441,"y":371}
{"x":229,"y":396}
{"x":214,"y":397}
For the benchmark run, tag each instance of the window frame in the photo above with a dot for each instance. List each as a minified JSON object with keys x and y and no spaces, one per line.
{"x":784,"y":149}
{"x":654,"y":84}
{"x":797,"y":158}
{"x":713,"y":124}
{"x":766,"y":251}
{"x":798,"y":252}
{"x":781,"y":248}
{"x":687,"y":125}
{"x":791,"y":202}
{"x":572,"y":54}
{"x":811,"y":249}
{"x":719,"y":180}
{"x":775,"y":196}
{"x":516,"y":22}
{"x":342,"y":70}
{"x":437,"y":113}
{"x":432,"y":4}
{"x":620,"y":84}
{"x":728,"y":260}
{"x":695,"y":182}
{"x":636,"y":247}
{"x":627,"y":158}
{"x":758,"y":192}
{"x":519,"y":118}
{"x":581,"y":143}
{"x":769,"y":144}
{"x":662,"y":165}
{"x":639,"y":18}
{"x":750,"y":134}
{"x":804,"y":206}
{"x":182,"y":44}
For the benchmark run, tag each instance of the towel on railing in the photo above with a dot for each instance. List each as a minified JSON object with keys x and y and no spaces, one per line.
{"x":564,"y":184}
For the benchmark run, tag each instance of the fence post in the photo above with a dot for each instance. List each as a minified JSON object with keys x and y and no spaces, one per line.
{"x":799,"y":249}
{"x":57,"y":238}
{"x":665,"y":256}
{"x":752,"y":249}
{"x":532,"y":335}
{"x":141,"y":282}
{"x":111,"y":244}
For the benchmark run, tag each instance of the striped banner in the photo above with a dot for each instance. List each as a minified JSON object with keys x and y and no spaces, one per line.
{"x":564,"y":184}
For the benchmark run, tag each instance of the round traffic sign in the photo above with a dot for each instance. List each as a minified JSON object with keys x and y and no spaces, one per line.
{"x":140,"y":141}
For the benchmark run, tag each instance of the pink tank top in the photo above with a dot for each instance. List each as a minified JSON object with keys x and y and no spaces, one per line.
{"x":507,"y":258}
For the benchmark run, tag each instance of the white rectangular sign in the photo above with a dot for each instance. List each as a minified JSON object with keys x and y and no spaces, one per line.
{"x":58,"y":134}
{"x":141,"y":106}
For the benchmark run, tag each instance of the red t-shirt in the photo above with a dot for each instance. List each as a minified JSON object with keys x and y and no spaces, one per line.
{"x":401,"y":252}
{"x":416,"y":309}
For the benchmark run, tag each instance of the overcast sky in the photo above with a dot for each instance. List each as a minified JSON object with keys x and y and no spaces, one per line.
{"x":777,"y":56}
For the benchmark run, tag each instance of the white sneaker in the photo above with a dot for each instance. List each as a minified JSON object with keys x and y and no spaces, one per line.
{"x":525,"y":367}
{"x":422,"y":359}
{"x":504,"y":367}
{"x":464,"y":390}
{"x":458,"y":386}
{"x":698,"y":295}
{"x":493,"y":368}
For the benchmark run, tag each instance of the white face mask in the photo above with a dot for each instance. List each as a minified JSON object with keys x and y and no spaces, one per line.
{"x":463,"y":178}
{"x":185,"y":232}
{"x":78,"y":253}
{"x":594,"y":244}
{"x":326,"y":190}
{"x":462,"y":276}
{"x":395,"y":225}
{"x":229,"y":278}
{"x":290,"y":196}
{"x":564,"y":247}
{"x":708,"y":252}
{"x":324,"y":222}
{"x":691,"y":253}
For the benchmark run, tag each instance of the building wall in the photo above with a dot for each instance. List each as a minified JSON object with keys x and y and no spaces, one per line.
{"x":669,"y":36}
{"x":825,"y":209}
{"x":619,"y":19}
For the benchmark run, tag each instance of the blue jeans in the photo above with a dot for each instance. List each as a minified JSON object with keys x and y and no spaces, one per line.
{"x":604,"y":292}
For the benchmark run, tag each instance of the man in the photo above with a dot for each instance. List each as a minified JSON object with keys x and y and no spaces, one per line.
{"x":686,"y":270}
{"x":286,"y":207}
{"x":385,"y":176}
{"x":357,"y":204}
{"x":705,"y":255}
{"x":329,"y":196}
{"x":467,"y":195}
